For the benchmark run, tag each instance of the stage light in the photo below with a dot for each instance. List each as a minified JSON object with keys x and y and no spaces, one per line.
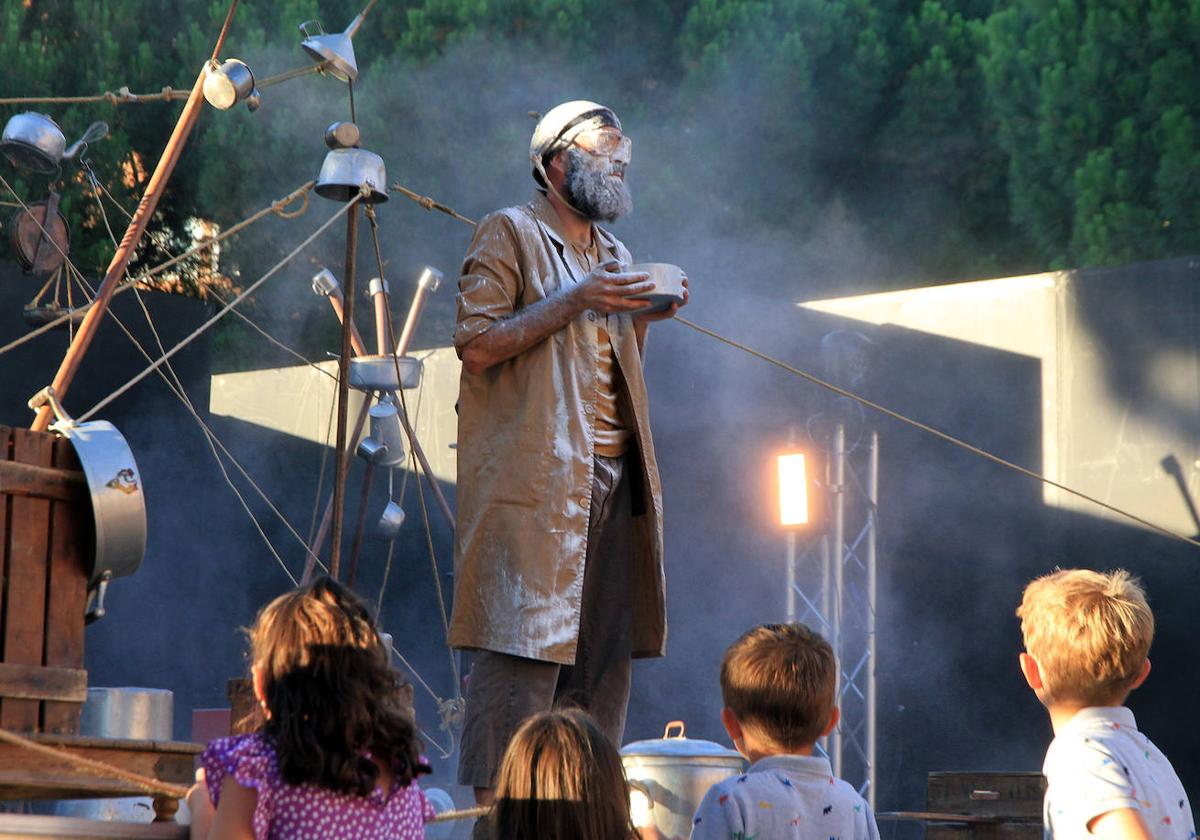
{"x":793,"y":489}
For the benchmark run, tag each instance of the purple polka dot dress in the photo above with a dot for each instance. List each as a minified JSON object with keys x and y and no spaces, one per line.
{"x":308,"y":811}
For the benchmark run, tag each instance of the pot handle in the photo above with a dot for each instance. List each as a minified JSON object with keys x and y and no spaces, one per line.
{"x":47,"y":395}
{"x":304,"y":28}
{"x":673,"y":725}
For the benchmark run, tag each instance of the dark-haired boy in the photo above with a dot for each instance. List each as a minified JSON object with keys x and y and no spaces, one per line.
{"x":778,"y":683}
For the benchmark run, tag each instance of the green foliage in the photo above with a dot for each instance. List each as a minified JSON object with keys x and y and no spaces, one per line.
{"x":962,"y":137}
{"x":1094,"y":111}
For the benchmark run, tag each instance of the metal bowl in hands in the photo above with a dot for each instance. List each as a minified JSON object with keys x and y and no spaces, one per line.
{"x":378,"y":373}
{"x":668,"y":285}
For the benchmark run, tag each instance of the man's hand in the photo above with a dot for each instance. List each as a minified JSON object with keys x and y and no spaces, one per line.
{"x":669,"y":312}
{"x":607,"y":289}
{"x":642,"y":322}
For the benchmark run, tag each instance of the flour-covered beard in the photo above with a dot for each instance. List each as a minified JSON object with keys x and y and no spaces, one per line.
{"x":592,"y":189}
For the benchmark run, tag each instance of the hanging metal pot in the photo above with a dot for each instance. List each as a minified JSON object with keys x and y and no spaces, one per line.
{"x":344,"y":171}
{"x":229,"y":83}
{"x":118,"y":504}
{"x":670,"y":775}
{"x":33,"y":142}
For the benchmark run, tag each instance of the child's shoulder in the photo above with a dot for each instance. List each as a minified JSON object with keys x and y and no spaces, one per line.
{"x":249,"y":759}
{"x":248,"y":746}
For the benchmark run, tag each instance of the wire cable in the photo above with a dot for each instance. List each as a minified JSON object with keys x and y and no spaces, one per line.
{"x":301,"y":193}
{"x":211,"y":438}
{"x":221,"y":313}
{"x":916,"y":424}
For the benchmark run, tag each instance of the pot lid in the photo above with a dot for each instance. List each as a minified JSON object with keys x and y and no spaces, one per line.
{"x":678,"y":746}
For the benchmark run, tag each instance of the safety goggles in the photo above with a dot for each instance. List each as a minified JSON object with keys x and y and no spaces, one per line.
{"x":606,"y":141}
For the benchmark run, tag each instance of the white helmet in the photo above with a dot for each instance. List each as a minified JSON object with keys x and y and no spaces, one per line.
{"x":555,"y":130}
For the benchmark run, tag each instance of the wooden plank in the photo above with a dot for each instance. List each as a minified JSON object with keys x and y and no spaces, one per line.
{"x":25,"y":596}
{"x":1009,"y":795}
{"x":70,"y":550}
{"x":5,"y":525}
{"x":42,"y":482}
{"x":38,"y":682}
{"x":35,"y":827}
{"x":25,"y":774}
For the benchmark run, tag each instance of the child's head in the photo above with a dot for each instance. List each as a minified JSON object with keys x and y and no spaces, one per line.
{"x":328,"y":693}
{"x":561,"y":778}
{"x":779,"y":681}
{"x":1088,"y":633}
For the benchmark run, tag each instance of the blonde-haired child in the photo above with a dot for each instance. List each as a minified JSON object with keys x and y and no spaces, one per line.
{"x":1087,"y":638}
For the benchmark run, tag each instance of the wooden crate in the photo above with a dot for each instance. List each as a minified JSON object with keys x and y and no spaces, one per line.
{"x":1012,"y":800}
{"x":46,"y":539}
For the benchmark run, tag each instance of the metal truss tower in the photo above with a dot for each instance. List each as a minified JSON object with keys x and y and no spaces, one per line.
{"x":831,"y":587}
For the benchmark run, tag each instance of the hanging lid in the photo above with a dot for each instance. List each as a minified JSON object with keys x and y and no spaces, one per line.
{"x":678,"y":746}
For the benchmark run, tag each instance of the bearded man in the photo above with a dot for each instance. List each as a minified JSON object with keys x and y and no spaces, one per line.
{"x":558,"y":550}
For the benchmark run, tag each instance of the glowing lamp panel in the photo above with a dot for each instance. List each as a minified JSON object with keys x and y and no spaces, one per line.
{"x":793,"y":489}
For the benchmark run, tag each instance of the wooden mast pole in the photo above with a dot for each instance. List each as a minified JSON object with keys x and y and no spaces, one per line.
{"x":133,"y":235}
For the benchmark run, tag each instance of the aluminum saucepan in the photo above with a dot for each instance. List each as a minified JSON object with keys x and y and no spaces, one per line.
{"x":671,"y":774}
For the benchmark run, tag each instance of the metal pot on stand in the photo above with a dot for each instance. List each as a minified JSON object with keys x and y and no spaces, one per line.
{"x":669,"y":776}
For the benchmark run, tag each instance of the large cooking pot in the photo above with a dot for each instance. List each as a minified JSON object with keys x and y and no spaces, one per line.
{"x":118,"y":505}
{"x":673,"y":773}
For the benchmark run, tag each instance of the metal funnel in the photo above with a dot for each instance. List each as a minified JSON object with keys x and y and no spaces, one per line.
{"x":335,"y":48}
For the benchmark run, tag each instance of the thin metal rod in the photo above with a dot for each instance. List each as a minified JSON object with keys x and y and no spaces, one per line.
{"x":872,"y":591}
{"x":368,"y":474}
{"x":224,"y":30}
{"x":424,"y":462}
{"x":791,"y":576}
{"x":314,"y":549}
{"x":339,"y":481}
{"x":410,"y":323}
{"x":380,"y":299}
{"x":838,"y":561}
{"x":339,"y":309}
{"x":826,"y":593}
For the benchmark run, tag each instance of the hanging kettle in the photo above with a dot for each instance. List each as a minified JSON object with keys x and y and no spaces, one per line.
{"x":34,"y":142}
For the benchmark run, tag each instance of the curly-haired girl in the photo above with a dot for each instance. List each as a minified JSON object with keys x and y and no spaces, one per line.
{"x":336,"y":754}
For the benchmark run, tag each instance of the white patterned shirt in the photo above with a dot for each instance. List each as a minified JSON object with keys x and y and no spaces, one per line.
{"x":782,"y":797}
{"x":1100,"y":762}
